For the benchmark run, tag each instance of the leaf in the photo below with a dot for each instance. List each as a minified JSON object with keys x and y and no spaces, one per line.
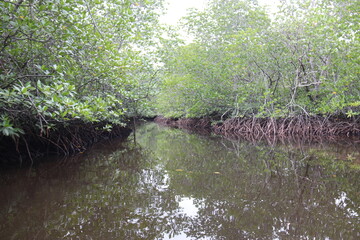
{"x":6,"y":131}
{"x":24,"y":90}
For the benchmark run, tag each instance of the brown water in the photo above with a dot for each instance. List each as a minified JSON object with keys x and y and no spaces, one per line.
{"x":178,"y":185}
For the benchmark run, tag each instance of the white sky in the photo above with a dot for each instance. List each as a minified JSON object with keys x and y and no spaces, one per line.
{"x":177,"y":8}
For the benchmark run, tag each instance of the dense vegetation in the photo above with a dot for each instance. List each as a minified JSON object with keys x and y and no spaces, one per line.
{"x":302,"y":61}
{"x":73,"y":62}
{"x":70,"y":67}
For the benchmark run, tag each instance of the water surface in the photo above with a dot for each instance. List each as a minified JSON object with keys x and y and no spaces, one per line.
{"x":177,"y":185}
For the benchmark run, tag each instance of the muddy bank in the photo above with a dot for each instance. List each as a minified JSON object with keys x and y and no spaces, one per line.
{"x":63,"y":140}
{"x":295,"y":127}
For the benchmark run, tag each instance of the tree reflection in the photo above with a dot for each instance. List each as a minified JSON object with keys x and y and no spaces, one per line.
{"x":263,"y":191}
{"x":239,"y":189}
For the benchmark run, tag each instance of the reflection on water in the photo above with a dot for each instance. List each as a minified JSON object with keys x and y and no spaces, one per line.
{"x":177,"y":185}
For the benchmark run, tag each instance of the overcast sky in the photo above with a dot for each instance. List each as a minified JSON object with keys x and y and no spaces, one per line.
{"x":177,"y":8}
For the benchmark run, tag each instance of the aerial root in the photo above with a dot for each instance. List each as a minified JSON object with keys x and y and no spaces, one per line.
{"x":300,"y":126}
{"x":252,"y":127}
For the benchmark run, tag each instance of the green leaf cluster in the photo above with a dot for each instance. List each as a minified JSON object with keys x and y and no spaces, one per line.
{"x":64,"y":60}
{"x":303,"y":60}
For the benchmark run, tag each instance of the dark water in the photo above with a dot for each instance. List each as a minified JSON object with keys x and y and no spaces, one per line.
{"x":178,"y":185}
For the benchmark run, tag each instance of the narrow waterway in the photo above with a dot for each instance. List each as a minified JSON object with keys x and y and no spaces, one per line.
{"x":173,"y":184}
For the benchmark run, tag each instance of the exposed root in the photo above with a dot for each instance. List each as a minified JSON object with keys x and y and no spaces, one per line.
{"x":63,"y":140}
{"x":299,"y":127}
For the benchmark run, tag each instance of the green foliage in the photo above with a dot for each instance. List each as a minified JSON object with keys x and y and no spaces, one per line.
{"x":67,"y":60}
{"x":7,"y":129}
{"x":304,"y":60}
{"x":103,"y":60}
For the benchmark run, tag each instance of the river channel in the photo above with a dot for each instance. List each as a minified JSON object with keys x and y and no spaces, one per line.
{"x":174,"y":184}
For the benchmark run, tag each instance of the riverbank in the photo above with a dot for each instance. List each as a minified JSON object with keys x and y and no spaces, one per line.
{"x":295,"y":127}
{"x":63,"y":140}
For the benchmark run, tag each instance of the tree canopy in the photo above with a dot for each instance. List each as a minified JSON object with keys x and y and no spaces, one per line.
{"x":63,"y":61}
{"x":69,"y":60}
{"x":301,"y":61}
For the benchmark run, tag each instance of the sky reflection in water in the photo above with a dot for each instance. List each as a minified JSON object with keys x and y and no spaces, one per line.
{"x":178,"y":185}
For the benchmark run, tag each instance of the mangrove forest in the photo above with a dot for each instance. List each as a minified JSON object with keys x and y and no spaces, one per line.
{"x":239,"y":121}
{"x":74,"y":72}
